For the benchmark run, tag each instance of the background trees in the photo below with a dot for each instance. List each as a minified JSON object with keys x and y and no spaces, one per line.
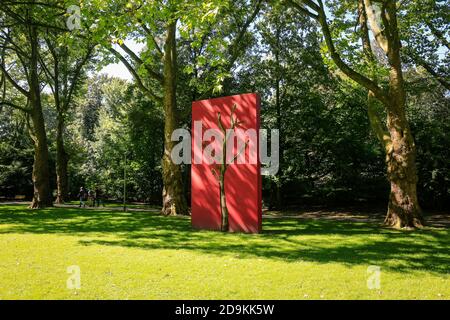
{"x":424,"y":32}
{"x":16,"y":155}
{"x":114,"y":119}
{"x":322,"y":119}
{"x":360,"y":74}
{"x":63,"y":58}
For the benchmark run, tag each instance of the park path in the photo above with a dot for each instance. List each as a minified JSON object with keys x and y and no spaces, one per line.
{"x":438,"y":219}
{"x":75,"y":206}
{"x":109,"y":208}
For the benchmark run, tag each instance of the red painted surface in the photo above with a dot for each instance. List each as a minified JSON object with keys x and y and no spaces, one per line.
{"x":242,"y":181}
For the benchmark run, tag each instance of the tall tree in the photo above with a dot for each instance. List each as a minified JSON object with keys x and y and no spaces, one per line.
{"x":395,"y":135}
{"x":20,"y":36}
{"x":63,"y":63}
{"x":155,"y":68}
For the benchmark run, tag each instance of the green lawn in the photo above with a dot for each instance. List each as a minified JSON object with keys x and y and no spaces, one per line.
{"x":141,"y":255}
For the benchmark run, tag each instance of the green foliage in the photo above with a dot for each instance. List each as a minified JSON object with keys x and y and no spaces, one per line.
{"x":16,"y":156}
{"x":115,"y":120}
{"x":328,"y":154}
{"x":429,"y":114}
{"x":424,"y":29}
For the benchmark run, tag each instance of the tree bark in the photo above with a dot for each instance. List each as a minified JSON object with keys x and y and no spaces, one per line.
{"x":403,"y":207}
{"x":174,"y":201}
{"x":62,"y":160}
{"x":41,"y":176}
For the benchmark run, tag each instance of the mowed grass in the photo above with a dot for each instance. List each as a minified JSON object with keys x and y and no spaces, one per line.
{"x":142,"y":255}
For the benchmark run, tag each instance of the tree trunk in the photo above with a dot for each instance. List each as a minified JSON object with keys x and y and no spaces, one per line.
{"x":403,"y":207}
{"x":174,"y":201}
{"x":223,"y":204}
{"x":41,"y":176}
{"x":397,"y":140}
{"x":400,"y":153}
{"x":61,"y":164}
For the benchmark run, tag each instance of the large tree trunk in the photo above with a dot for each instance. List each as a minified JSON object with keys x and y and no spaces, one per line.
{"x":403,"y":207}
{"x":397,"y":140}
{"x":41,"y":177}
{"x":62,"y":160}
{"x":174,"y":201}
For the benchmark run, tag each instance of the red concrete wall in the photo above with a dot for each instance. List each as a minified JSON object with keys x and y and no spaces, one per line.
{"x":242,"y":181}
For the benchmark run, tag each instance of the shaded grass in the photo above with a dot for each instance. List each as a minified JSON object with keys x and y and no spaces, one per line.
{"x":151,"y":256}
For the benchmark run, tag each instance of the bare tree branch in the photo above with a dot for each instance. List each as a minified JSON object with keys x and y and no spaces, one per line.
{"x":14,"y":83}
{"x":15,"y":106}
{"x":135,"y":75}
{"x":344,"y":67}
{"x":438,"y":34}
{"x":299,"y":7}
{"x":375,"y":27}
{"x":155,"y":75}
{"x":79,"y":66}
{"x":441,"y":79}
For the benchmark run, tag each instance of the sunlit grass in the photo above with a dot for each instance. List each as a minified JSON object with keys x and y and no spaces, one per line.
{"x":142,"y":255}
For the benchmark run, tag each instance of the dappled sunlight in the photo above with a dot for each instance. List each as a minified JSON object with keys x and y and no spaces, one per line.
{"x":287,"y":239}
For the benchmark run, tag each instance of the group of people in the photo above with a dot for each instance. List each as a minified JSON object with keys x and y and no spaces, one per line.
{"x":92,"y":197}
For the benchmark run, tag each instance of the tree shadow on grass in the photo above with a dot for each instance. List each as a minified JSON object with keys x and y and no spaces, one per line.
{"x":320,"y":241}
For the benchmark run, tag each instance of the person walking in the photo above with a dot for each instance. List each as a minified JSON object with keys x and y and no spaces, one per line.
{"x":98,"y":197}
{"x":82,"y":196}
{"x":91,"y":196}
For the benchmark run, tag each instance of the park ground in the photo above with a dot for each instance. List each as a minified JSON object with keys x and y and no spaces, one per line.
{"x":142,"y":255}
